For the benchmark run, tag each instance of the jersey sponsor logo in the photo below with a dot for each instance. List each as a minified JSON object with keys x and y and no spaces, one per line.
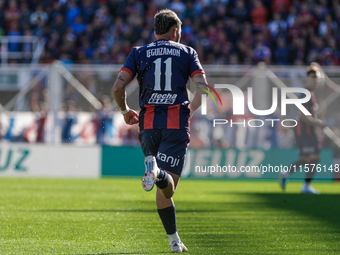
{"x":158,"y":98}
{"x":163,"y":157}
{"x":165,"y":42}
{"x":163,"y":51}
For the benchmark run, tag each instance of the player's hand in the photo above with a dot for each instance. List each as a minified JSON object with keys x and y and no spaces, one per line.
{"x":131,"y":117}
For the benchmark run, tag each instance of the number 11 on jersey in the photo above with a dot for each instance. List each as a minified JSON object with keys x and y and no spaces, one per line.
{"x":168,"y":73}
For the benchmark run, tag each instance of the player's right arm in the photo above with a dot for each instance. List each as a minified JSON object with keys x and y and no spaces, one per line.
{"x":124,"y":78}
{"x":199,"y":79}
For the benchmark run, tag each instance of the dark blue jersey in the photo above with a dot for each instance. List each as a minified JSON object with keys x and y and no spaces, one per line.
{"x":305,"y":134}
{"x":163,"y":68}
{"x":303,"y":128}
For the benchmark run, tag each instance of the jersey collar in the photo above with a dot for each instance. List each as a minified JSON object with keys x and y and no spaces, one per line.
{"x":161,"y":39}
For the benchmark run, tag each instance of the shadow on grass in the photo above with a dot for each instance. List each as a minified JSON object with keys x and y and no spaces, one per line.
{"x":119,"y":210}
{"x":324,"y":207}
{"x":92,"y":210}
{"x":123,"y":253}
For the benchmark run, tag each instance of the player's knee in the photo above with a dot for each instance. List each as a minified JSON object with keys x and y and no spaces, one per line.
{"x":168,"y":192}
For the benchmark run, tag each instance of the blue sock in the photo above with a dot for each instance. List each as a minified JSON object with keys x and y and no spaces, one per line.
{"x":163,"y":179}
{"x":168,"y":218}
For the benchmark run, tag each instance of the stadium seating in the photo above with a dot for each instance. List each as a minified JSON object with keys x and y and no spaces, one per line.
{"x":222,"y":31}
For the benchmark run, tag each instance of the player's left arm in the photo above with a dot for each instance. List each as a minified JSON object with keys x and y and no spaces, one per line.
{"x":123,"y":79}
{"x":200,"y":80}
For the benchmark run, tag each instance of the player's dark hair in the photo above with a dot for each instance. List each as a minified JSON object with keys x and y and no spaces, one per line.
{"x":164,"y":20}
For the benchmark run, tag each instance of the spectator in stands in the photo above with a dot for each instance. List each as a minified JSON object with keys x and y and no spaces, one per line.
{"x":281,"y":53}
{"x":103,"y":17}
{"x":240,"y":12}
{"x":88,"y":11}
{"x":39,"y":14}
{"x":178,"y":7}
{"x":72,"y":12}
{"x":69,"y":121}
{"x":14,"y":31}
{"x":280,"y":6}
{"x":25,"y":14}
{"x":305,"y":16}
{"x":104,"y":120}
{"x":2,"y":17}
{"x":328,"y":26}
{"x":292,"y":16}
{"x":59,"y":24}
{"x":12,"y":14}
{"x":276,"y":24}
{"x":79,"y":26}
{"x":261,"y":53}
{"x":258,"y":15}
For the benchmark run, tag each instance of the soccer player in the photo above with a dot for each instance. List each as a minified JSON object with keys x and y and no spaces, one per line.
{"x":163,"y":68}
{"x":306,"y":138}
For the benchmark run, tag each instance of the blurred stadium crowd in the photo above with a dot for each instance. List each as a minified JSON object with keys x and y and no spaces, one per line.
{"x":222,"y":31}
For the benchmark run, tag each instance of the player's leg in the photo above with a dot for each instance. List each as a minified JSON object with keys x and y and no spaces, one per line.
{"x":154,"y":175}
{"x":167,"y":213}
{"x":171,"y":156}
{"x":313,"y":159}
{"x":170,"y":186}
{"x":150,"y":140}
{"x":302,"y":142}
{"x":164,"y":196}
{"x":296,"y":165}
{"x":312,"y":162}
{"x":283,"y":176}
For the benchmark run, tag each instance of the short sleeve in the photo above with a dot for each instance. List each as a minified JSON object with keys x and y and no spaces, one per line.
{"x":195,"y":65}
{"x":130,"y":64}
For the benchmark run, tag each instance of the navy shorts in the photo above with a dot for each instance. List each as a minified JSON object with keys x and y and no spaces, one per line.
{"x":307,"y":142}
{"x":167,"y":145}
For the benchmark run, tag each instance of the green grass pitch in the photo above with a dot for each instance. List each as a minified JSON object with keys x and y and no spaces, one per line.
{"x":115,"y":216}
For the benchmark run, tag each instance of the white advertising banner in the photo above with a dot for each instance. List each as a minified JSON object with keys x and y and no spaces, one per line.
{"x":49,"y":161}
{"x":78,"y":128}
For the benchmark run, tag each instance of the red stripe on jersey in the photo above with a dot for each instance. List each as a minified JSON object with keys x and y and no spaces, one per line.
{"x":149,"y":116}
{"x":173,"y":117}
{"x":195,"y":72}
{"x":308,"y":129}
{"x":298,"y":129}
{"x":129,"y":71}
